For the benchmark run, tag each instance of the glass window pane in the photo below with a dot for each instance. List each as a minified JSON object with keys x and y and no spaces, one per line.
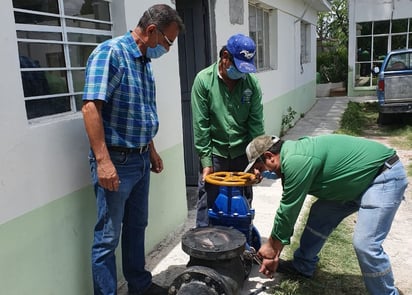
{"x":50,"y":6}
{"x":47,"y":106}
{"x":266,"y":49}
{"x":410,"y":41}
{"x":363,"y":29}
{"x":79,"y":102}
{"x":57,"y":81}
{"x":400,"y":25}
{"x":381,"y":27}
{"x":34,"y":19}
{"x":87,"y":38}
{"x":79,"y":55}
{"x":97,"y":9}
{"x":398,"y":42}
{"x":252,"y":19}
{"x":380,"y":45}
{"x":364,"y":47}
{"x":36,"y":83}
{"x":39,"y":35}
{"x":87,"y":25}
{"x":41,"y":55}
{"x":78,"y":80}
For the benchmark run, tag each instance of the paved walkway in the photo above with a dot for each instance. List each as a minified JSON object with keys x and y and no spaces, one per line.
{"x":169,"y":260}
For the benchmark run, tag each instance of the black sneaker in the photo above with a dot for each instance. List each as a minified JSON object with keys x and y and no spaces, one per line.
{"x":154,"y":289}
{"x":286,"y":267}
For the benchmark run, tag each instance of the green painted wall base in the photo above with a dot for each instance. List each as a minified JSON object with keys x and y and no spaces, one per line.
{"x":47,"y":251}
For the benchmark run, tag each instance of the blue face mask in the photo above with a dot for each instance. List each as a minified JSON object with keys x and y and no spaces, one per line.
{"x":235,"y":74}
{"x":155,"y":52}
{"x":269,"y":175}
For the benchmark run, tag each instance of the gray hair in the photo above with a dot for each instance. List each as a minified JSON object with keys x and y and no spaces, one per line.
{"x":162,"y":16}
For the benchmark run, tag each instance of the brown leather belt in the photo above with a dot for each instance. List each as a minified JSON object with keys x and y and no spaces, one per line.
{"x":388,"y":163}
{"x":126,"y":150}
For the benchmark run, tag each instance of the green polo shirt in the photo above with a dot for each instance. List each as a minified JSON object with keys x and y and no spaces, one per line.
{"x":225,"y":122}
{"x":329,"y":167}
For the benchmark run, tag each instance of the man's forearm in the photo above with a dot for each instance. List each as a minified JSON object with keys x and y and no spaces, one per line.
{"x":94,"y":128}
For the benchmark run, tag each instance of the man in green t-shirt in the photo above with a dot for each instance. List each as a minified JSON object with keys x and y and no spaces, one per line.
{"x":347,"y":174}
{"x":227,"y":113}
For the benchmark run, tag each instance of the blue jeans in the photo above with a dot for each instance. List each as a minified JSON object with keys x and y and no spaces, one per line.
{"x":376,"y":209}
{"x":207,"y":193}
{"x":129,"y":205}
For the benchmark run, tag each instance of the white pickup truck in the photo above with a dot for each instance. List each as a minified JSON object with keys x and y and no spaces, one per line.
{"x":394,"y":88}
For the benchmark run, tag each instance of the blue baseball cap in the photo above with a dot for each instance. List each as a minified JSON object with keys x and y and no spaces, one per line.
{"x":243,"y":50}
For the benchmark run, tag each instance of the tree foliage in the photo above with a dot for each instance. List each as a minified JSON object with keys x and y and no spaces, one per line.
{"x":333,"y":36}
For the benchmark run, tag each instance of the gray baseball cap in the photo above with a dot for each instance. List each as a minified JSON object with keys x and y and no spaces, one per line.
{"x":258,"y":147}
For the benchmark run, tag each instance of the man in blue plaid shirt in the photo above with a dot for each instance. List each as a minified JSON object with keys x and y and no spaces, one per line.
{"x":121,"y":120}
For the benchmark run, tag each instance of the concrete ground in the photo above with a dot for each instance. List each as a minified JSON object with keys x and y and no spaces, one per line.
{"x":168,"y":260}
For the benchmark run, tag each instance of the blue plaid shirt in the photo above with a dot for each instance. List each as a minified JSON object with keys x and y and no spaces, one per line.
{"x":118,"y":74}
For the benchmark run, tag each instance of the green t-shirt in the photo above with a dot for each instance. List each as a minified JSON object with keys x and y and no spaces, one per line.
{"x":329,"y":167}
{"x":225,"y":122}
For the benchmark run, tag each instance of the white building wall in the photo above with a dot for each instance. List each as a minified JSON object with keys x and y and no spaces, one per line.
{"x":287,"y":73}
{"x":368,"y":10}
{"x":38,"y":164}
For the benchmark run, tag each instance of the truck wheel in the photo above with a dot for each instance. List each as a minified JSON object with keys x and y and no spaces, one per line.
{"x":385,"y":119}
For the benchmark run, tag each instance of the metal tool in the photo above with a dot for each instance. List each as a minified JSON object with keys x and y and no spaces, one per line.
{"x":252,"y":255}
{"x":257,"y":291}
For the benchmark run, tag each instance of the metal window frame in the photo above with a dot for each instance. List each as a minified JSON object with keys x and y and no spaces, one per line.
{"x":265,"y":32}
{"x":64,"y":30}
{"x":372,"y":35}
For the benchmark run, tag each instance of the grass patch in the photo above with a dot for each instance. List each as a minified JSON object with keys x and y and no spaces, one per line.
{"x":338,"y":270}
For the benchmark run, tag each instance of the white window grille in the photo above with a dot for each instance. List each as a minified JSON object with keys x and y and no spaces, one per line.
{"x":373,"y":41}
{"x":259,"y":31}
{"x":305,"y":41}
{"x":55,"y":38}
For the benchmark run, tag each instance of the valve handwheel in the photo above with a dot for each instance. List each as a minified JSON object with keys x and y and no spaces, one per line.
{"x":231,"y":178}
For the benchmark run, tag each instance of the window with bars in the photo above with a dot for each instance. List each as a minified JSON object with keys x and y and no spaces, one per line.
{"x":55,"y":39}
{"x":259,"y":32}
{"x":305,"y":41}
{"x":373,"y":41}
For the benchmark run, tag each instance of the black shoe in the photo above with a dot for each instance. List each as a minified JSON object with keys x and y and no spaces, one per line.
{"x":286,"y":267}
{"x":399,"y":291}
{"x":154,"y":289}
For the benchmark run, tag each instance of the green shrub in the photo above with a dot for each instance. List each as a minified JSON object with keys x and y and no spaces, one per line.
{"x":352,"y":119}
{"x":332,"y":65}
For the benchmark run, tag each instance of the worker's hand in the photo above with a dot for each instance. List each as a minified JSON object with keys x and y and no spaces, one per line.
{"x":269,"y":266}
{"x":266,"y":251}
{"x":107,"y":175}
{"x":206,"y":171}
{"x":269,"y":252}
{"x":258,"y":175}
{"x":156,"y":161}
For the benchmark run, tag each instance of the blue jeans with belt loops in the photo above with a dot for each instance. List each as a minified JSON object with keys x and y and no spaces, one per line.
{"x":376,"y":210}
{"x":124,"y":214}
